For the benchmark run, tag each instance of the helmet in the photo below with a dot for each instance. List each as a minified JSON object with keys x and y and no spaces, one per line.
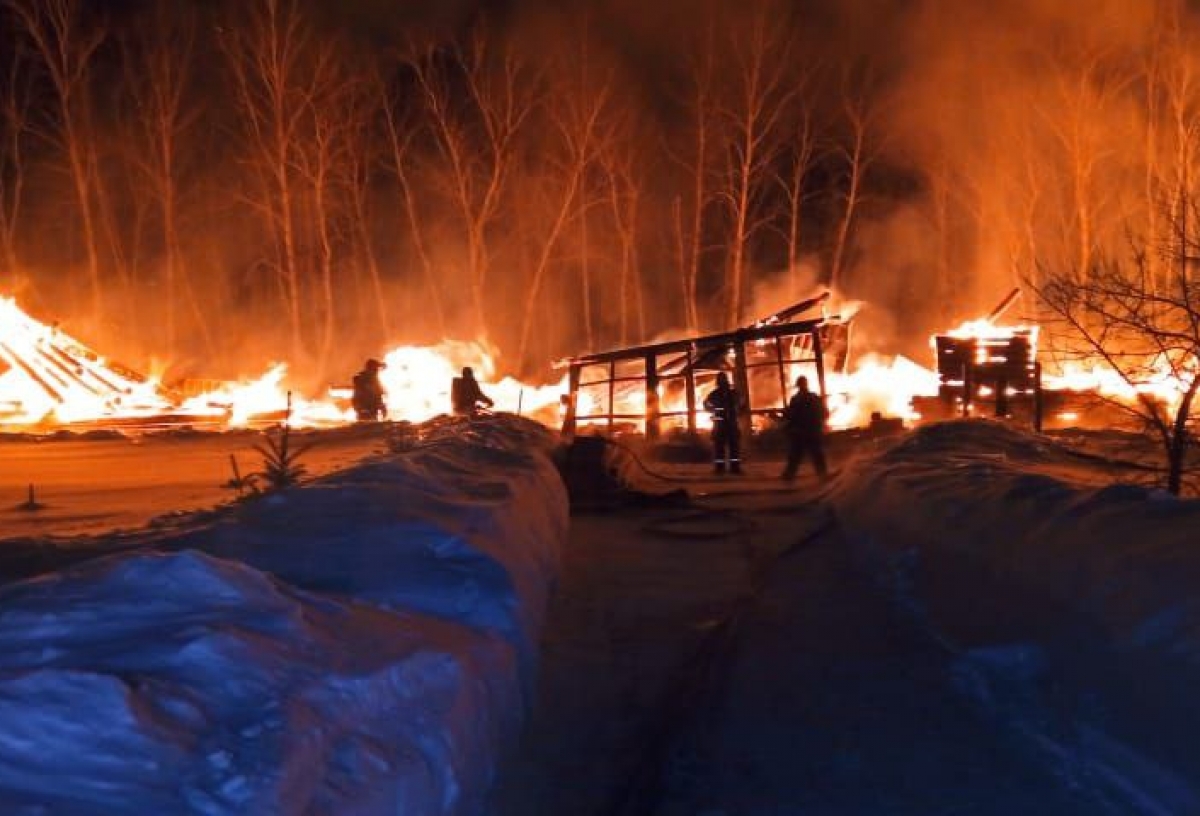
{"x":373,"y":364}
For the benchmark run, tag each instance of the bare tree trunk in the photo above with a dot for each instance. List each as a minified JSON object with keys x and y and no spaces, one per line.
{"x":399,"y":149}
{"x":157,"y":67}
{"x":14,"y":125}
{"x":362,"y":223}
{"x":856,"y":160}
{"x":589,"y":329}
{"x":502,"y":95}
{"x":269,"y":56}
{"x":578,"y":123}
{"x":802,"y":158}
{"x":66,"y":49}
{"x":682,"y":262}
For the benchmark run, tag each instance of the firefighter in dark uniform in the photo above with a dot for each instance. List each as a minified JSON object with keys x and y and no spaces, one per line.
{"x":805,"y":417}
{"x":466,"y":397}
{"x":369,"y":397}
{"x":722,"y":403}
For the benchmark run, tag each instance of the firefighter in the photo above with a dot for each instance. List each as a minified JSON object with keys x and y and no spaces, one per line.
{"x":722,"y":403}
{"x":466,"y":397}
{"x":805,"y":416}
{"x":368,"y":399}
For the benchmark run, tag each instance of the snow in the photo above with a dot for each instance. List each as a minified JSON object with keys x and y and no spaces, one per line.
{"x":364,"y":644}
{"x":1040,"y":584}
{"x":93,"y":483}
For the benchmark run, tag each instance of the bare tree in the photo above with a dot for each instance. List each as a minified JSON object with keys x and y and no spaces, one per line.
{"x":14,"y":129}
{"x":1079,"y":121}
{"x":401,"y":136}
{"x":581,"y":122}
{"x":802,"y":148}
{"x":157,"y":73}
{"x":1147,"y":335}
{"x":858,"y":154}
{"x":753,"y":113}
{"x":478,"y":100}
{"x":66,"y":44}
{"x":624,"y":198}
{"x":697,"y":159}
{"x":267,"y":56}
{"x":325,"y":162}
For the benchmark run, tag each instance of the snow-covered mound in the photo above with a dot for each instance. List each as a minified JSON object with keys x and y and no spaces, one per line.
{"x":1049,"y":585}
{"x":357,"y":646}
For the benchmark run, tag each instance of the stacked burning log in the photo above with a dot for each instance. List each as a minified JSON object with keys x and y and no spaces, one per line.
{"x":990,"y":370}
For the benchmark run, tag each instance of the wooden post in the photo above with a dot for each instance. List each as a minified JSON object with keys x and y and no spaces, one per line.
{"x":689,"y":382}
{"x":741,"y":381}
{"x":653,"y":427}
{"x":612,"y":394}
{"x":783,"y":383}
{"x":968,"y":387}
{"x":568,"y":426}
{"x":819,"y":355}
{"x":1038,"y":407}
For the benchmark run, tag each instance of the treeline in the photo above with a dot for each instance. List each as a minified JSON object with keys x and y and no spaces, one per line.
{"x":215,"y":184}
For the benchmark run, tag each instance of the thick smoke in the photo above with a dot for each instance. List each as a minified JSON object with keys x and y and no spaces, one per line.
{"x":541,"y":186}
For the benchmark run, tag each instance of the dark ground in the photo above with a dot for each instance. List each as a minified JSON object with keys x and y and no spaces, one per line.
{"x":740,"y":662}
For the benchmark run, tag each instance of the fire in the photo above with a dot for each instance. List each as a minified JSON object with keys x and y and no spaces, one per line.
{"x":417,"y":380}
{"x":1160,"y":381}
{"x":53,"y":379}
{"x":878,"y":385}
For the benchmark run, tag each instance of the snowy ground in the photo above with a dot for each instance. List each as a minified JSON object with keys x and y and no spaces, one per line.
{"x":100,"y":482}
{"x":361,"y":645}
{"x":802,"y":651}
{"x":967,"y":620}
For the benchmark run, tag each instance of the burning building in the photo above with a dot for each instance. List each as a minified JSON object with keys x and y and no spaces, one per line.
{"x":658,"y":387}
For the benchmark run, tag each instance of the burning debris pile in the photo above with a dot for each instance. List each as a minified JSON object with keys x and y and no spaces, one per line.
{"x":50,"y":380}
{"x":659,"y":387}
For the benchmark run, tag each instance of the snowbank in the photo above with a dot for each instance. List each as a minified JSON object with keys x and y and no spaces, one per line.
{"x":1042,"y":586}
{"x":361,"y":645}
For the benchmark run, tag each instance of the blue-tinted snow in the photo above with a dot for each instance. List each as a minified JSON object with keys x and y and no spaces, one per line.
{"x":1075,"y":610}
{"x":362,"y":645}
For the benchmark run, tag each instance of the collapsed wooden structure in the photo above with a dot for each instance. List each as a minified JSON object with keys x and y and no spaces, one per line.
{"x":42,"y":368}
{"x":651,"y":387}
{"x":997,"y":367}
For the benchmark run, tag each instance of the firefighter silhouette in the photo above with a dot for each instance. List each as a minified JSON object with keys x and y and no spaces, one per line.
{"x":722,"y":403}
{"x":466,"y":397}
{"x":368,"y":399}
{"x":805,"y":416}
